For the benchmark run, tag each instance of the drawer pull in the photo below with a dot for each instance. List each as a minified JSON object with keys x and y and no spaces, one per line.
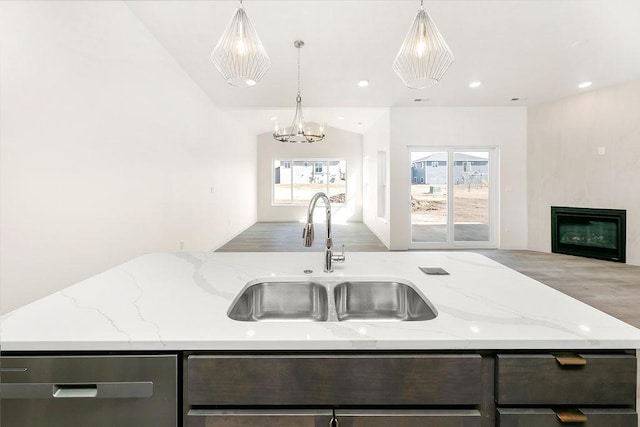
{"x":571,"y":416}
{"x":106,"y":390}
{"x":570,"y":360}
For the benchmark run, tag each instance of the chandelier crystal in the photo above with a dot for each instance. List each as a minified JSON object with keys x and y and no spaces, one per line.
{"x":300,"y":131}
{"x":424,"y":56}
{"x":239,"y":55}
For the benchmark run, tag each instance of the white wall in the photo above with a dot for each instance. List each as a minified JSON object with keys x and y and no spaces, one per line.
{"x":565,"y":168}
{"x":108,"y":149}
{"x":376,"y":139}
{"x":338,"y":144}
{"x":503,"y":127}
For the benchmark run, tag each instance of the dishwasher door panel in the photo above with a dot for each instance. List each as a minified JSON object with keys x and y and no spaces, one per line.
{"x":91,"y":391}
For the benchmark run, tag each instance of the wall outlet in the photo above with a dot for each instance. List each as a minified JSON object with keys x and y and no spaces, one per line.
{"x":182,"y":245}
{"x":602,"y":151}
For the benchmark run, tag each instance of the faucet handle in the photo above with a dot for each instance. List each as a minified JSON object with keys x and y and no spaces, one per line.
{"x":339,"y":258}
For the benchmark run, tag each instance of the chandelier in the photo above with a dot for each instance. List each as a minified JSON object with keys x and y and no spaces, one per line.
{"x":299,"y":131}
{"x":239,"y":55}
{"x":424,"y":56}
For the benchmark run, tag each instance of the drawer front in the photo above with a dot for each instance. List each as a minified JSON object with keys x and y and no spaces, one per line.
{"x":96,"y":391}
{"x":545,"y":417}
{"x":541,"y":380}
{"x":434,"y":418}
{"x":255,"y":418}
{"x":321,"y":418}
{"x":334,"y":380}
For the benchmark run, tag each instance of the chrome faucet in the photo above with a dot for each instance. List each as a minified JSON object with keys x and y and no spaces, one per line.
{"x":307,"y":232}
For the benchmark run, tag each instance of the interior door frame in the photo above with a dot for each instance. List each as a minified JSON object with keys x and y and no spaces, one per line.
{"x":494,"y":202}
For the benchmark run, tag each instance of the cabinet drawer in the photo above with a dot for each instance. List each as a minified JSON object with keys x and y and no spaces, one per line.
{"x":321,"y":418}
{"x":258,"y":418}
{"x":334,"y":380}
{"x":541,"y":380}
{"x":543,"y":417}
{"x":90,"y":390}
{"x":407,"y":418}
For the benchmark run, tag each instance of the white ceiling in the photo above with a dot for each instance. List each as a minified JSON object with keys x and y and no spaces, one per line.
{"x":535,"y":50}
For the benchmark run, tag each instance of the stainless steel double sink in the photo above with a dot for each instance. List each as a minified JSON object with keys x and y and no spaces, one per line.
{"x":314,"y":300}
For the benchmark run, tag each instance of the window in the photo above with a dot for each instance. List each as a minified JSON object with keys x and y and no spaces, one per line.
{"x":296,"y":181}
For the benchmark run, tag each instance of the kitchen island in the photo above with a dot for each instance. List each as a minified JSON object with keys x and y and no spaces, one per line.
{"x":496,"y":333}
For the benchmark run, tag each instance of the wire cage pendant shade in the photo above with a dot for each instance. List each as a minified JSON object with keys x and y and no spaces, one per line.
{"x":424,"y":56}
{"x":239,"y":55}
{"x":300,"y":130}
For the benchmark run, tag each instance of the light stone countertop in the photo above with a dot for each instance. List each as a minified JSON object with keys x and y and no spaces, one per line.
{"x":179,"y":301}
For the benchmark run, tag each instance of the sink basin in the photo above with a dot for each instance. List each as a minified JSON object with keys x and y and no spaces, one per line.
{"x":380,"y":300}
{"x":370,"y":300}
{"x":281,"y":301}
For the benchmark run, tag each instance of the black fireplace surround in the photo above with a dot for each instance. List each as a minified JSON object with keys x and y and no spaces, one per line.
{"x":592,"y":233}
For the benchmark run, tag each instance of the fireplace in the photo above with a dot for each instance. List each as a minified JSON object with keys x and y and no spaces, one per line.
{"x":592,"y":233}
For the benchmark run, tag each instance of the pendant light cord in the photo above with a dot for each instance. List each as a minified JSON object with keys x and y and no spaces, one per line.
{"x":299,"y":71}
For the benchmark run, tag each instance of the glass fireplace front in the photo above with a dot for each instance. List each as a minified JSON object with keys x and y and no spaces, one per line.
{"x":593,"y":233}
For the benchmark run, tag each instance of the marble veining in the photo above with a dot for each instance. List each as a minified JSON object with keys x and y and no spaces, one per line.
{"x":179,"y":301}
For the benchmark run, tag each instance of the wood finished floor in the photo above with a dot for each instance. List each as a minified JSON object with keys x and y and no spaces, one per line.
{"x":287,"y":237}
{"x":608,"y":286}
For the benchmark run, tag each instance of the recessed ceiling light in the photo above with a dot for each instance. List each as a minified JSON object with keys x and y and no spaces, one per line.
{"x":475,"y":84}
{"x":340,"y":118}
{"x":584,"y":85}
{"x":274,"y":118}
{"x":363,"y":83}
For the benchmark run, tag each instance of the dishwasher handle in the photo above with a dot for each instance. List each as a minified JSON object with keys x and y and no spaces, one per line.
{"x":103,"y":390}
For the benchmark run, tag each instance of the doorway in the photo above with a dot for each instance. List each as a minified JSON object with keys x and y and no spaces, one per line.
{"x":453,"y":197}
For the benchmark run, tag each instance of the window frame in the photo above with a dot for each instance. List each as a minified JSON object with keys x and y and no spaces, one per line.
{"x":306,"y":162}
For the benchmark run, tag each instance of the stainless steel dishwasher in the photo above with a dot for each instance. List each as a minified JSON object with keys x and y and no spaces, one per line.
{"x":89,"y":391}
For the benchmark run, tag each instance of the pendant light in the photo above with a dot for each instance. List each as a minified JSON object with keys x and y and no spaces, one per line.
{"x":299,"y":131}
{"x":424,"y":56}
{"x":239,"y":55}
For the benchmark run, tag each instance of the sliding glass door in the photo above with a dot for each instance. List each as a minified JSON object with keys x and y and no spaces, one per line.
{"x":429,"y":196}
{"x":453,"y":199}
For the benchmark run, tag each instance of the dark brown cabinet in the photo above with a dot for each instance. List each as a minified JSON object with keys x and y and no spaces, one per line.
{"x":402,"y":389}
{"x":590,"y":390}
{"x":590,"y":379}
{"x":332,"y":380}
{"x":447,"y":389}
{"x":321,"y":418}
{"x":541,"y":417}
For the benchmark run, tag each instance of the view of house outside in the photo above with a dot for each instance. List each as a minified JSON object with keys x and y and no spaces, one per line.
{"x":296,"y":181}
{"x":431,"y":184}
